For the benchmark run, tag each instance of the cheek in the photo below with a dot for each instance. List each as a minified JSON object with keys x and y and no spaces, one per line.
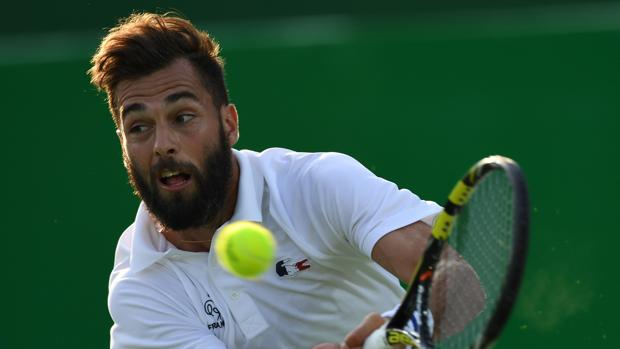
{"x":199,"y":146}
{"x":137,"y":157}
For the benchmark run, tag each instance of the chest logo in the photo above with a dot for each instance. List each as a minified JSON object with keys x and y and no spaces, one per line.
{"x":288,"y":268}
{"x":216,"y":320}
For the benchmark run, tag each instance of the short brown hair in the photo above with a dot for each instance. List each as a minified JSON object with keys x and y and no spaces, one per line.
{"x":144,"y":43}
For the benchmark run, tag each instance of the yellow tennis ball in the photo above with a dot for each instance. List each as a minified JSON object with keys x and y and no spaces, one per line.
{"x":245,"y":249}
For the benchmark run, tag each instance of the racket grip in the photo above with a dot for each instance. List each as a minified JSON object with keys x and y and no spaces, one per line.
{"x":377,"y":339}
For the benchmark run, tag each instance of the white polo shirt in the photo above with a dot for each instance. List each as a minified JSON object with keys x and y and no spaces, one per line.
{"x":326,"y":212}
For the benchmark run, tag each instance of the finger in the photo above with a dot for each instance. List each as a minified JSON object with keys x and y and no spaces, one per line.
{"x":327,"y":346}
{"x":357,"y":337}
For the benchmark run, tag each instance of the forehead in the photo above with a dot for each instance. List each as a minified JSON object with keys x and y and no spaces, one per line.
{"x":177,"y":76}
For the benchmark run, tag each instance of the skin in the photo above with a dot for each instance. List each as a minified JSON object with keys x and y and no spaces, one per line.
{"x":154,"y":126}
{"x":355,"y":339}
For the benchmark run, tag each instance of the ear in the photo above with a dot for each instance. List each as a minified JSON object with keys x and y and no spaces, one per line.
{"x":230,"y":123}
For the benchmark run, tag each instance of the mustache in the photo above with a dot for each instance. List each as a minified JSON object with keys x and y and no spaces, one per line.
{"x":172,"y":164}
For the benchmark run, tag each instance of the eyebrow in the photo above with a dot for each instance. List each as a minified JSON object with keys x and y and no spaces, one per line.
{"x":175,"y":97}
{"x":180,"y":95}
{"x":133,"y":107}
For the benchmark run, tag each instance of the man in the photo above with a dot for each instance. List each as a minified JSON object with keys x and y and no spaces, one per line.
{"x":345,"y":236}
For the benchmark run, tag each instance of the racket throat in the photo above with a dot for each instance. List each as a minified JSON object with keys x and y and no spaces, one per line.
{"x":416,"y":301}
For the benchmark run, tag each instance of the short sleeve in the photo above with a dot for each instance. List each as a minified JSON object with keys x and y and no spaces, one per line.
{"x":147,"y":318}
{"x":358,"y":204}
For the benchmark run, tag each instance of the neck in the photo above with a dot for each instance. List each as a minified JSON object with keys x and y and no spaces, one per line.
{"x":199,"y":239}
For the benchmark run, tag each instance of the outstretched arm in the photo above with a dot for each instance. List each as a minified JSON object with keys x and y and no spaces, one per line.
{"x":456,"y":297}
{"x":399,"y":252}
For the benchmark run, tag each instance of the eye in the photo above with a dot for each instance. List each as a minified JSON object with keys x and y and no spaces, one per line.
{"x":184,"y":118}
{"x":138,"y":128}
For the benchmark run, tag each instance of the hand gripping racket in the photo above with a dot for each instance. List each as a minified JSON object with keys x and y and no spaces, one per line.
{"x":486,"y":220}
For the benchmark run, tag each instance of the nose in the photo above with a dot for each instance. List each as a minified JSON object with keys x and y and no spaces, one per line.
{"x":165,"y":142}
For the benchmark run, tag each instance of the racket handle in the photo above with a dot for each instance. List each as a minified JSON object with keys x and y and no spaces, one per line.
{"x":377,"y":340}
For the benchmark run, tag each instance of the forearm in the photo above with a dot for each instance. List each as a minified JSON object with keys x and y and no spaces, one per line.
{"x":400,"y":250}
{"x":457,"y":295}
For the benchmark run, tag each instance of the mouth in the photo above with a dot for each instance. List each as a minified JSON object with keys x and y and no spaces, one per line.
{"x":174,"y":180}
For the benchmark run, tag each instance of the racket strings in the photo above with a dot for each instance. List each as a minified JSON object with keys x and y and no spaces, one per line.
{"x":468,"y":283}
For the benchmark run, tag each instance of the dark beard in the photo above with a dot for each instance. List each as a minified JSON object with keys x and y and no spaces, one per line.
{"x":200,"y":208}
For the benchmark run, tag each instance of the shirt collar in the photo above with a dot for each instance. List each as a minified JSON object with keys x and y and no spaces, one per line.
{"x":250,"y":192}
{"x":149,"y":245}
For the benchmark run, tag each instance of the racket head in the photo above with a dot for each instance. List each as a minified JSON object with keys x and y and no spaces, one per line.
{"x":485,"y":223}
{"x":490,"y":232}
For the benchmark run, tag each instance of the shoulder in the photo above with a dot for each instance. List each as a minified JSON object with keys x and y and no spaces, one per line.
{"x":333,"y":165}
{"x":151,"y":283}
{"x":276,"y":156}
{"x":123,"y":249}
{"x":150,"y":305}
{"x":134,"y":297}
{"x":285,"y":156}
{"x":305,"y":166}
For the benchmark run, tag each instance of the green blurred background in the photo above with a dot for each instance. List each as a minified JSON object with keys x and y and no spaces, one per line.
{"x":417,"y":92}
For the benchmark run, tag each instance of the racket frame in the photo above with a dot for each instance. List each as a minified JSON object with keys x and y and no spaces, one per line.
{"x":417,"y":293}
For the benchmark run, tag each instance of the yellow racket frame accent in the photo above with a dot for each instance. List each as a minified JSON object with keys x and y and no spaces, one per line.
{"x":461,"y":193}
{"x":443,"y":226}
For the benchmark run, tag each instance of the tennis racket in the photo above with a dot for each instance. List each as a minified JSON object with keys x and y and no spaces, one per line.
{"x":485,"y":223}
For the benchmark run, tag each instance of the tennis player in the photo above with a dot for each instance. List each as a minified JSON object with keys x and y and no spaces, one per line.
{"x":345,"y":236}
